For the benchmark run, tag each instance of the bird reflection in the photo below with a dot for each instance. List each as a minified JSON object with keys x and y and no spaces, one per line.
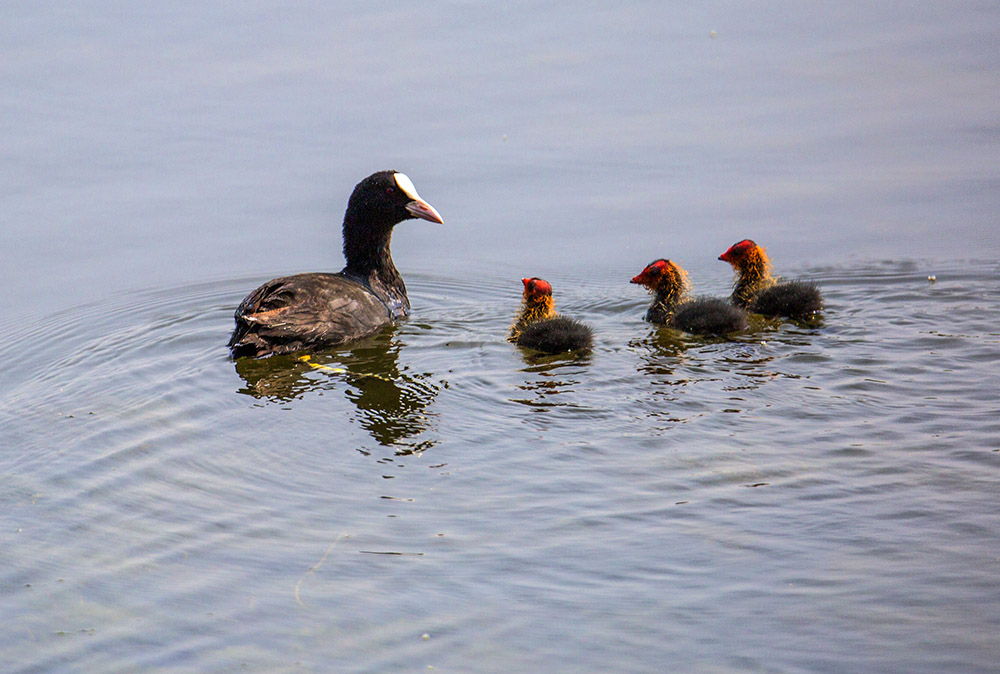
{"x":661,"y":353}
{"x":553,"y":381}
{"x":538,"y":361}
{"x":676,"y":360}
{"x":662,"y":342}
{"x":391,"y":406}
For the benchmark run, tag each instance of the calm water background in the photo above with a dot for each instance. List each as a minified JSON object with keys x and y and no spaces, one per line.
{"x":800,"y":499}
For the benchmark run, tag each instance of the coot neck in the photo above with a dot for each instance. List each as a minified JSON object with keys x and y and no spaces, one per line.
{"x":369,"y":261}
{"x":668,"y":295}
{"x":532,"y":310}
{"x":753,"y":275}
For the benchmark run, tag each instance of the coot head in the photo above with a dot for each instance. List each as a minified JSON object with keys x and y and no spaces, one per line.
{"x":379,"y":203}
{"x":536,"y":288}
{"x":662,"y":274}
{"x":387,"y":198}
{"x":740,"y":251}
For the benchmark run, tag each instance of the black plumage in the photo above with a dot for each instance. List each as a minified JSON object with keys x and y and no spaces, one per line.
{"x":794,"y":299}
{"x":303,"y":311}
{"x":556,"y":335}
{"x":709,"y":316}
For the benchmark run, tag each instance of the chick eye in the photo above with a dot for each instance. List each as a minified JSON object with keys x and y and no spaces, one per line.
{"x":390,"y":190}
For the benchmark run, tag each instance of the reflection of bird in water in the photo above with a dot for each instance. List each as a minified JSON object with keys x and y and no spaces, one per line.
{"x":755,"y":289}
{"x":303,"y":311}
{"x":391,"y":406}
{"x":539,"y":327}
{"x":671,"y":305}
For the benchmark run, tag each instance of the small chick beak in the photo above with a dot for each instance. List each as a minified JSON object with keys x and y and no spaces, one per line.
{"x":526,"y":281}
{"x":419,"y":208}
{"x":638,"y":278}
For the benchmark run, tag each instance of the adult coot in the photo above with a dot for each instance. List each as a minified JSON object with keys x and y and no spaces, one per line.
{"x":298,"y":312}
{"x":539,"y":327}
{"x":757,"y":290}
{"x":668,"y":282}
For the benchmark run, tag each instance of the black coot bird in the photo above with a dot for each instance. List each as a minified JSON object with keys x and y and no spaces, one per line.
{"x":671,"y":306}
{"x":755,"y":289}
{"x":298,"y":312}
{"x":539,"y":327}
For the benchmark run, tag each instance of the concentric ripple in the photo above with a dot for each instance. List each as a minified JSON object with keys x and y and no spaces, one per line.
{"x":437,"y":472}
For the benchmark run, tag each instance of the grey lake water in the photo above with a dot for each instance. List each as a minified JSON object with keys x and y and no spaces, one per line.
{"x":800,"y":498}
